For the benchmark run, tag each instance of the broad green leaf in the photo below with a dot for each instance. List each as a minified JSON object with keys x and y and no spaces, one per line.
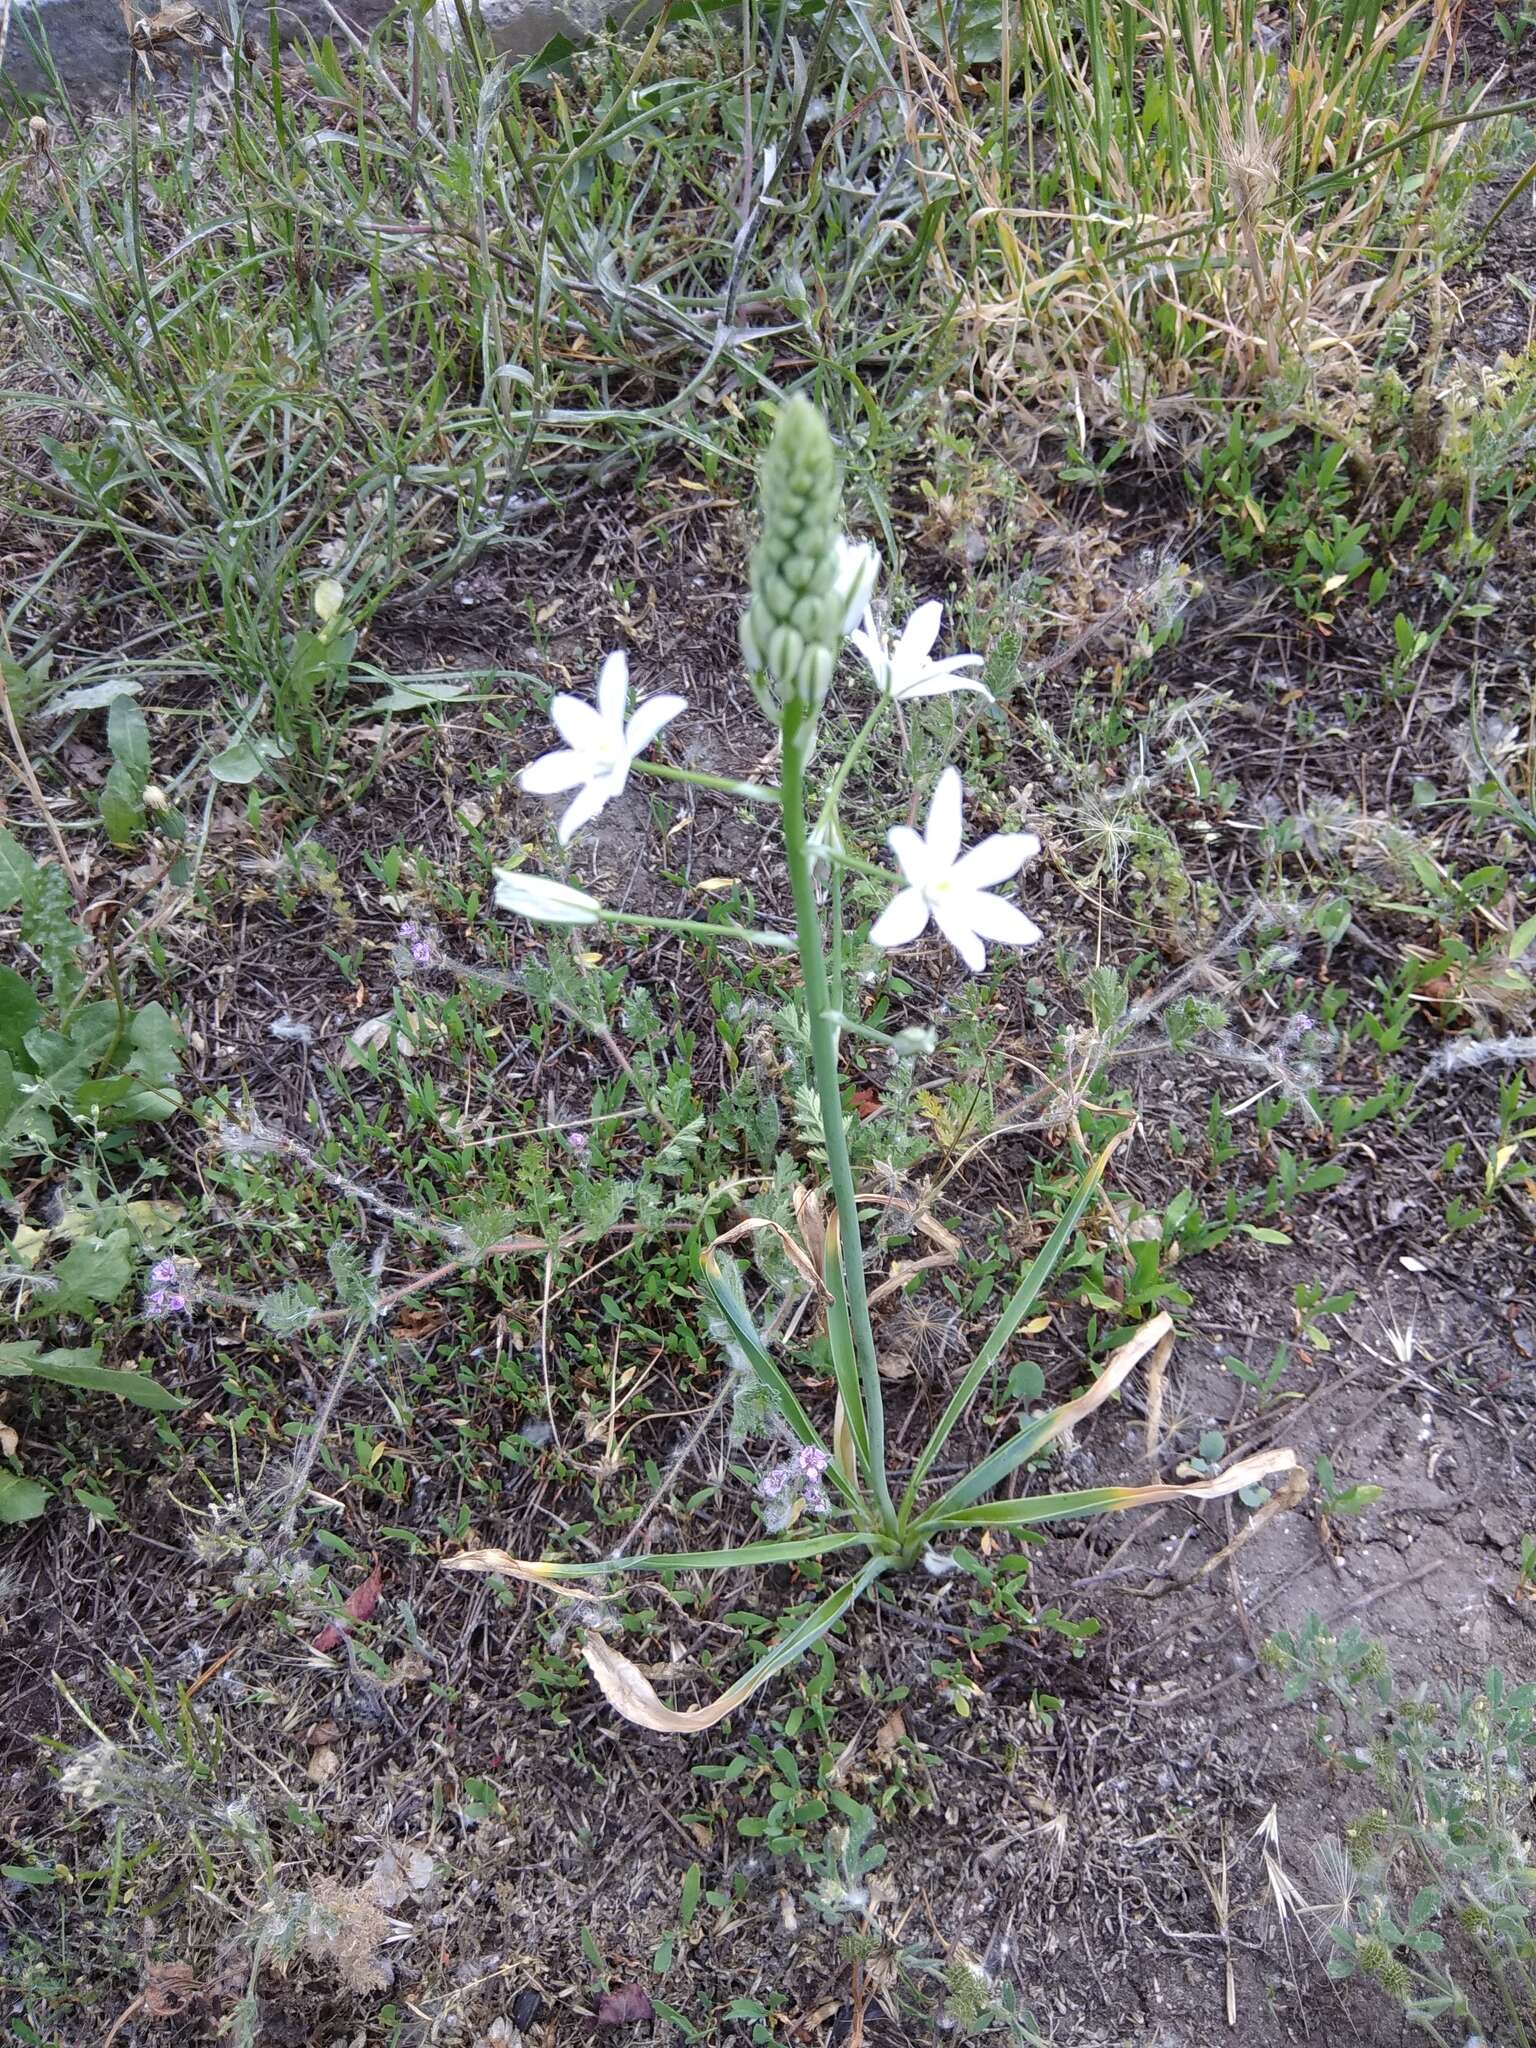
{"x":17,"y":867}
{"x":155,"y":1037}
{"x":121,"y":805}
{"x":246,"y":761}
{"x":92,"y":696}
{"x":1026,"y":1382}
{"x":1025,"y":1295}
{"x":128,"y":738}
{"x":21,"y":1500}
{"x":79,"y":1369}
{"x":19,"y":1009}
{"x":105,"y":1094}
{"x":96,"y":1270}
{"x":48,"y":926}
{"x":416,"y":697}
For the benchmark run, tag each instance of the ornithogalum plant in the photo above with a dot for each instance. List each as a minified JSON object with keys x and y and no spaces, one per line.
{"x":832,"y":1490}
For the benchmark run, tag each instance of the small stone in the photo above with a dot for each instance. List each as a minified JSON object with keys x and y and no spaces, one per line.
{"x":1500,"y":1529}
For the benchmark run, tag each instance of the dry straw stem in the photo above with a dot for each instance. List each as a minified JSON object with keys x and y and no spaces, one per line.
{"x":1251,"y":213}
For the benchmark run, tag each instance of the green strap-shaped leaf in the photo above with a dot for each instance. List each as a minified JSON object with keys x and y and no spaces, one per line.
{"x":1042,"y":1507}
{"x":552,"y":1571}
{"x":1025,"y":1295}
{"x":723,"y":1282}
{"x":1041,"y":1430}
{"x":845,"y":1365}
{"x":1099,"y":1500}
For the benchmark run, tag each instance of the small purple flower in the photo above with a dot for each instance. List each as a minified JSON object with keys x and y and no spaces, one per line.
{"x":813,"y":1464}
{"x":798,"y":1479}
{"x":774,"y":1482}
{"x":171,"y":1289}
{"x":418,"y":941}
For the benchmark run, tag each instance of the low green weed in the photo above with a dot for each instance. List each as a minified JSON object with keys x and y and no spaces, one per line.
{"x":82,"y":1078}
{"x":1432,"y":1888}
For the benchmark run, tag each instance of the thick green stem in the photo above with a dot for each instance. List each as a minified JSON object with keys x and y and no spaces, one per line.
{"x":798,"y":729}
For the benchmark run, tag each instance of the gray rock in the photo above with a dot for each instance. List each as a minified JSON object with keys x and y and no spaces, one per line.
{"x":91,"y":54}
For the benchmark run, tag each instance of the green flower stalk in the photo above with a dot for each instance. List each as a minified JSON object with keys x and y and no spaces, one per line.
{"x":792,"y":630}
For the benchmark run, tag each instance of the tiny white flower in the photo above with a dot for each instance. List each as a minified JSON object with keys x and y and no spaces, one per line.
{"x":951,"y":887}
{"x":858,"y":571}
{"x":908,"y":670}
{"x":543,"y":901}
{"x":600,"y":745}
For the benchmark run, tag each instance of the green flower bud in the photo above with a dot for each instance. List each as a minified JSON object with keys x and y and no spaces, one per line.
{"x":786,"y":649}
{"x":815,"y":674}
{"x":793,"y":628}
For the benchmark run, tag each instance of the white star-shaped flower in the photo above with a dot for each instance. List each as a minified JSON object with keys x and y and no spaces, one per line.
{"x":908,"y":669}
{"x":600,"y":745}
{"x":951,"y":887}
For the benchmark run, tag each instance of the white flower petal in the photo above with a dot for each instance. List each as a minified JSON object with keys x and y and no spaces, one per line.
{"x":579,"y":724}
{"x":858,"y":571}
{"x":586,"y":804}
{"x":613,"y":692}
{"x":650,"y":716}
{"x":903,"y":919}
{"x":994,"y":859}
{"x":918,"y":635}
{"x":552,"y":773}
{"x":912,"y":855}
{"x":941,"y":680}
{"x":543,"y":900}
{"x":949,"y":914}
{"x":944,"y":819}
{"x":994,"y":917}
{"x":876,"y":655}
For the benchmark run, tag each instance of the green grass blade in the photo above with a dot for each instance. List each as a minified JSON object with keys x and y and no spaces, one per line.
{"x":1024,"y":1298}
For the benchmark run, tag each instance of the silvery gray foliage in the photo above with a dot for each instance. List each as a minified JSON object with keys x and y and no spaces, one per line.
{"x":1468,"y":1055}
{"x":288,"y":1310}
